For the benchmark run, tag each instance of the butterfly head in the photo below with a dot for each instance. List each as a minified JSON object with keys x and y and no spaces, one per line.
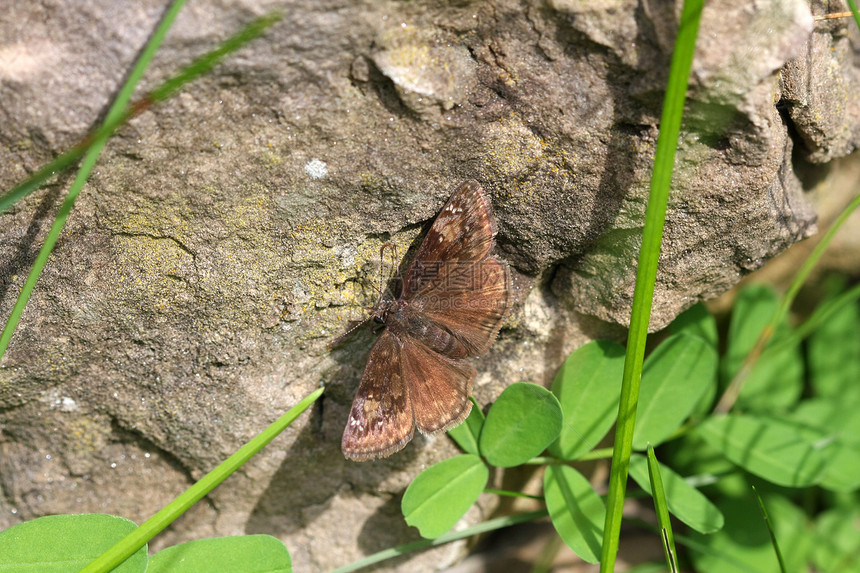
{"x":385,"y":307}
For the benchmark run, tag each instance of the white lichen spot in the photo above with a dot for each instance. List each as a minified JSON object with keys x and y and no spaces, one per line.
{"x":316,"y":169}
{"x":68,"y":404}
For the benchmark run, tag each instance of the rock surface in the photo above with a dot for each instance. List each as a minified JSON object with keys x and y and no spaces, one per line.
{"x":226,"y":235}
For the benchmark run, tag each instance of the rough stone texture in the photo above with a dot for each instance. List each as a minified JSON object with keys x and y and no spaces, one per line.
{"x":226,"y":234}
{"x":819,"y":90}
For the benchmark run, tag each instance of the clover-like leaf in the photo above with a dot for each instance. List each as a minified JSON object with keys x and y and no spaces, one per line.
{"x":674,"y":378}
{"x":440,"y":495}
{"x":587,"y":386}
{"x":239,"y":554}
{"x":576,"y":511}
{"x":776,"y":450}
{"x":63,"y":543}
{"x":523,"y":421}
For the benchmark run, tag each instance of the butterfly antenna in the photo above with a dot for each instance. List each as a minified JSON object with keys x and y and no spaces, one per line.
{"x":382,"y":280}
{"x":368,"y":309}
{"x":381,"y":267}
{"x":397,"y":268}
{"x":339,"y":340}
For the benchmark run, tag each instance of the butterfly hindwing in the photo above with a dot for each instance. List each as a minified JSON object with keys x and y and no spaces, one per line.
{"x":438,"y":387}
{"x":380,"y":421}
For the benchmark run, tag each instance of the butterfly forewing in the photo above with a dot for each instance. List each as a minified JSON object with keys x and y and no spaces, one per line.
{"x":473,"y":311}
{"x":438,"y":387}
{"x":380,"y":421}
{"x":462,"y":234}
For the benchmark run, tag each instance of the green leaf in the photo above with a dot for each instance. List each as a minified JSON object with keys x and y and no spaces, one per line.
{"x":241,"y":554}
{"x":836,"y":421}
{"x":696,"y":321}
{"x":685,"y":502}
{"x":440,"y":495}
{"x":577,"y":512}
{"x":674,"y":378}
{"x":65,"y":543}
{"x":837,"y":540}
{"x":744,"y":545}
{"x":587,"y":386}
{"x":524,"y":420}
{"x":466,"y":434}
{"x":772,"y":449}
{"x":834,"y":354}
{"x":776,"y":380}
{"x":751,"y":312}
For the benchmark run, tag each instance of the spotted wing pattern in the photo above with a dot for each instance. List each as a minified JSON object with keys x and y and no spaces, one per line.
{"x":380,"y":421}
{"x":453,"y":284}
{"x":453,"y":280}
{"x":462,"y":234}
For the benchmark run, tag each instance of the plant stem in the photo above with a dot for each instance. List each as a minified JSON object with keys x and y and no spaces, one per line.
{"x":652,"y":235}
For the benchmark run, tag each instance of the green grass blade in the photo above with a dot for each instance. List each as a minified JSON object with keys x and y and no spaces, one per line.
{"x":853,"y":5}
{"x":208,"y":61}
{"x":819,"y":316}
{"x":152,"y":526}
{"x":770,"y":530}
{"x":484,"y":527}
{"x":92,"y":146}
{"x":200,"y":66}
{"x":730,"y":396}
{"x":680,"y":494}
{"x":652,"y":235}
{"x":97,"y":144}
{"x":662,"y":508}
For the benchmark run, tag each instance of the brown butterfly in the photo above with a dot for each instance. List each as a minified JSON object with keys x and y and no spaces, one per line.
{"x":452,"y":302}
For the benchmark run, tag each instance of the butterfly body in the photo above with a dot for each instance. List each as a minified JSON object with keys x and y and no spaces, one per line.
{"x":453,"y":300}
{"x":405,"y":321}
